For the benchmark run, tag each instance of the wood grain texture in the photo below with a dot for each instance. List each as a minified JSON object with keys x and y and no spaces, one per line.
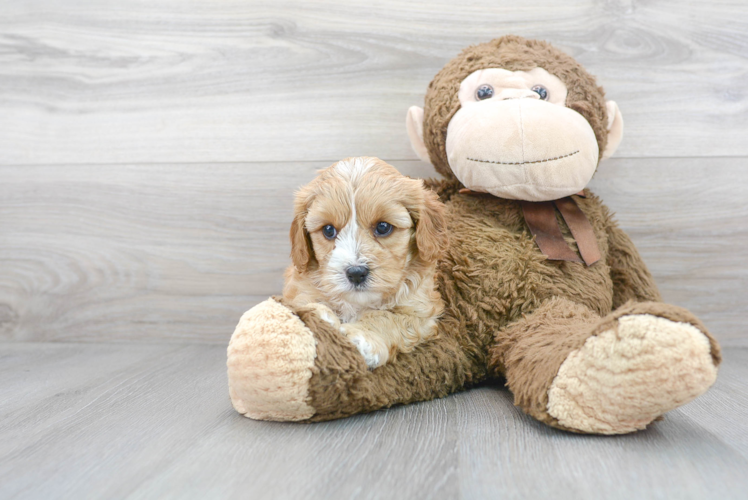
{"x":148,"y":157}
{"x":155,"y":421}
{"x":238,"y":80}
{"x":178,"y":252}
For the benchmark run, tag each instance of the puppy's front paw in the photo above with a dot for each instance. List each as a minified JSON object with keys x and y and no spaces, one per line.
{"x":368,"y":351}
{"x":374,"y":355}
{"x":326,"y":314}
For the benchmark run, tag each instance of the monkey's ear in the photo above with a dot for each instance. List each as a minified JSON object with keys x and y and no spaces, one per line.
{"x":615,"y":129}
{"x":414,"y":124}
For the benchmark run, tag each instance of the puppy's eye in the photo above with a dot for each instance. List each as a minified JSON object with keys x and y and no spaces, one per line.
{"x":541,"y":91}
{"x":382,"y":229}
{"x":484,"y":92}
{"x":330,"y":232}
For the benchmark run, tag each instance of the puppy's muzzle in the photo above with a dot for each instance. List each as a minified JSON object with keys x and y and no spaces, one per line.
{"x":357,"y":274}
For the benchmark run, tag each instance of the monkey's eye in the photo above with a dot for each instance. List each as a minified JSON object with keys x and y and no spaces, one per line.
{"x":541,"y":91}
{"x":484,"y":92}
{"x":329,"y":232}
{"x":382,"y":229}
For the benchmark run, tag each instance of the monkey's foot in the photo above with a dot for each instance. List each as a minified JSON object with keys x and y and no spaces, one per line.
{"x":639,"y":367}
{"x":270,"y":361}
{"x":292,"y":364}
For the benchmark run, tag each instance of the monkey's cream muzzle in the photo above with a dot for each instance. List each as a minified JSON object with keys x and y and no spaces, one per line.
{"x":521,"y":149}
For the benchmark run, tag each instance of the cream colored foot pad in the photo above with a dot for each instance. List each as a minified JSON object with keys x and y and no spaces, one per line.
{"x":624,"y":378}
{"x":270,"y":361}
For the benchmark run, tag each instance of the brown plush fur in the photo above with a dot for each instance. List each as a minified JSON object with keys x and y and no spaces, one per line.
{"x":509,"y":311}
{"x":342,"y":386}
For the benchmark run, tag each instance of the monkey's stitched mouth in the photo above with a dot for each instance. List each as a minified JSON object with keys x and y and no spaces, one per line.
{"x":523,"y":162}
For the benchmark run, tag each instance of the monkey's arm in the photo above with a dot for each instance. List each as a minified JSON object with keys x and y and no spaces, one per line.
{"x":293,"y":364}
{"x":631,"y":278}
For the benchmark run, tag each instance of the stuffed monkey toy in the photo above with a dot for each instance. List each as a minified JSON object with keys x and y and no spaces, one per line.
{"x":541,"y":287}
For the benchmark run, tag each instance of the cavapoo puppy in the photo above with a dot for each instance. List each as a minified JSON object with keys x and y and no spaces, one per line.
{"x":365,"y":240}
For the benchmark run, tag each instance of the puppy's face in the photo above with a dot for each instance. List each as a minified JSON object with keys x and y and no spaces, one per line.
{"x":361,"y":229}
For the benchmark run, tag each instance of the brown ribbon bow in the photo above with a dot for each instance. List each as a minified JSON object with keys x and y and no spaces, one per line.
{"x":541,"y":219}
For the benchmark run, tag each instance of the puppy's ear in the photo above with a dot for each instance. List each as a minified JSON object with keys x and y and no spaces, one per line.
{"x":431,"y":230}
{"x":302,"y":251}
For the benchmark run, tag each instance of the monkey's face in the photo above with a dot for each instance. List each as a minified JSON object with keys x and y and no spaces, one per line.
{"x":514,"y":137}
{"x":516,"y":118}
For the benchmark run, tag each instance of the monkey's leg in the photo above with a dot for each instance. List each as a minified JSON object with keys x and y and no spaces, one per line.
{"x":574,"y":370}
{"x":288,"y":364}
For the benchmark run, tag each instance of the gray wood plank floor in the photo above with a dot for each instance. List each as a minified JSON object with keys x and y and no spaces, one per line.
{"x":154,"y":421}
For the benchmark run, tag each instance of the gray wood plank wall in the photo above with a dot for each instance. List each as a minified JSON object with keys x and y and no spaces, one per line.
{"x":149,"y":151}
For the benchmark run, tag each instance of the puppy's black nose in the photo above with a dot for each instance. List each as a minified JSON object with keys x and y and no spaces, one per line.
{"x":357,"y":274}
